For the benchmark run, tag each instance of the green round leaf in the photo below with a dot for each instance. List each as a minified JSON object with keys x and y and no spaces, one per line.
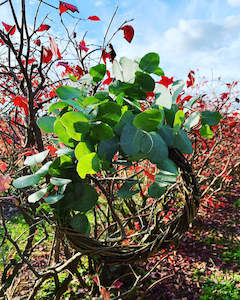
{"x":59,"y":165}
{"x":149,"y":62}
{"x":131,"y":138}
{"x":108,"y":147}
{"x":36,"y":158}
{"x":102,"y":131}
{"x":156,"y":190}
{"x":109,"y":113}
{"x":148,"y":120}
{"x":126,"y":190}
{"x":81,"y":224}
{"x":82,"y":149}
{"x":88,"y":164}
{"x":206,"y":132}
{"x":145,"y":81}
{"x":166,"y":133}
{"x":182,"y":142}
{"x":168,"y":165}
{"x":178,"y":120}
{"x":210,"y":117}
{"x":61,"y":132}
{"x":80,"y":197}
{"x":76,"y":124}
{"x":68,"y":92}
{"x":98,"y":72}
{"x":57,"y":105}
{"x":154,"y":147}
{"x":158,"y":71}
{"x":46,"y":124}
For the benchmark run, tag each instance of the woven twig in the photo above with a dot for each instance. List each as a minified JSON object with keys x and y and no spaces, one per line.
{"x":160,"y":236}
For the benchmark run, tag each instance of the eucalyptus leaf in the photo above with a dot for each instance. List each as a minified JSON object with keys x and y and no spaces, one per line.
{"x":154,"y":147}
{"x":59,"y":181}
{"x":68,"y":92}
{"x":88,"y":164}
{"x":168,"y":165}
{"x":25,"y":181}
{"x":33,"y":198}
{"x":36,"y":158}
{"x":129,"y":68}
{"x":108,"y":147}
{"x":210,"y":117}
{"x":178,"y":120}
{"x":102,"y":131}
{"x":80,"y":197}
{"x":131,"y":139}
{"x":149,"y":63}
{"x":126,"y":190}
{"x":76,"y":124}
{"x":44,"y":169}
{"x":144,"y":81}
{"x":117,"y":72}
{"x":53,"y":199}
{"x":97,"y":72}
{"x":156,"y":190}
{"x":82,"y":149}
{"x":46,"y":123}
{"x":81,"y":224}
{"x":192,"y":120}
{"x":206,"y":131}
{"x":62,"y":133}
{"x":182,"y":142}
{"x":148,"y":120}
{"x":163,"y":96}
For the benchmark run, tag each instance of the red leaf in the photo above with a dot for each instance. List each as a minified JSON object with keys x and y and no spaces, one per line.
{"x":52,"y":149}
{"x":9,"y":27}
{"x":47,"y":55}
{"x":128,"y":32}
{"x":94,"y":18}
{"x":105,"y":294}
{"x":31,"y":61}
{"x":166,"y":81}
{"x":108,"y":80}
{"x":64,"y":6}
{"x":37,"y":42}
{"x":105,"y":55}
{"x":54,"y":48}
{"x":21,"y":102}
{"x":4,"y":183}
{"x":3,"y":166}
{"x":43,"y":27}
{"x":191,"y":79}
{"x":2,"y":42}
{"x":82,"y":46}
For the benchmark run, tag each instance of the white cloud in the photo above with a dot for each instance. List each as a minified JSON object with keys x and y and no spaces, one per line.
{"x":193,"y":44}
{"x":98,"y":3}
{"x":234,"y":3}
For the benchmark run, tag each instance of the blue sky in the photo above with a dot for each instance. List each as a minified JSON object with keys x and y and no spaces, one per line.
{"x":188,"y":34}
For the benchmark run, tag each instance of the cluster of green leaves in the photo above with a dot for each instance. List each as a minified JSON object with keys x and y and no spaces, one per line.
{"x":220,"y":288}
{"x":95,"y":128}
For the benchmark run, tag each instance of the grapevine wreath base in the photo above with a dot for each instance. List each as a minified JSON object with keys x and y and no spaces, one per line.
{"x":157,"y":230}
